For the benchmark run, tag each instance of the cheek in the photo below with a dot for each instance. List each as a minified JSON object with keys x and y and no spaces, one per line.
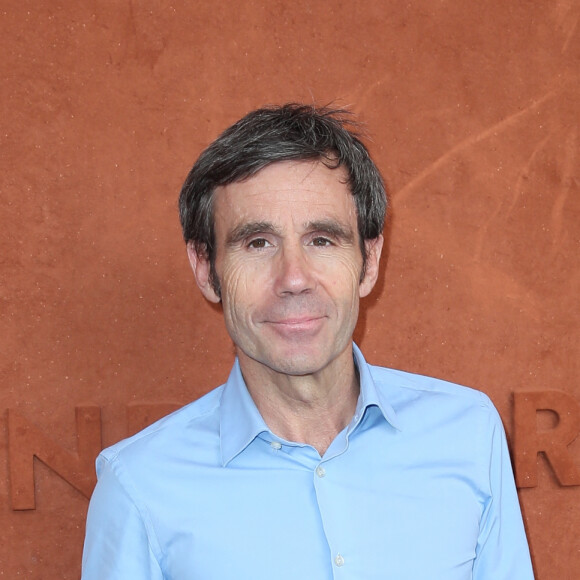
{"x":344,"y":276}
{"x":239,"y":291}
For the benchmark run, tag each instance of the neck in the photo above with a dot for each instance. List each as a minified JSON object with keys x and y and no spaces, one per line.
{"x":310,"y":409}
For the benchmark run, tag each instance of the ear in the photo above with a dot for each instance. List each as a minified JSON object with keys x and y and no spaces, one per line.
{"x":374,"y":248}
{"x":201,"y":270}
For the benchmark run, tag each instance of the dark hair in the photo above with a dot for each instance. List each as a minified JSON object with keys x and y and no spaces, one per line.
{"x":281,"y":133}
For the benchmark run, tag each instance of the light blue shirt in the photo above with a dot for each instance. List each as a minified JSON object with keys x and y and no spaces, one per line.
{"x":417,"y":487}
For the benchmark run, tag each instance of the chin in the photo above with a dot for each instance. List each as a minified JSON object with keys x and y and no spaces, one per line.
{"x":298,"y":363}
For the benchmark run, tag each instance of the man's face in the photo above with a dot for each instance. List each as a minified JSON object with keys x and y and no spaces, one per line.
{"x":289,"y":264}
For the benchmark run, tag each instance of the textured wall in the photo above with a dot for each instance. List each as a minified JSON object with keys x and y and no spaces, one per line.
{"x":473,"y":110}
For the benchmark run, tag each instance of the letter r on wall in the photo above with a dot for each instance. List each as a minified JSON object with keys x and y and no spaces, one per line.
{"x":553,"y":443}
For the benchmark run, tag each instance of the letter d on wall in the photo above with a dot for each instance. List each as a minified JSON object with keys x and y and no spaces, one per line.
{"x":529,"y":441}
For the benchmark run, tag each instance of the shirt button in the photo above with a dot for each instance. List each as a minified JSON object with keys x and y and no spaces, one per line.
{"x":320,"y":471}
{"x":339,"y":560}
{"x":276,"y":445}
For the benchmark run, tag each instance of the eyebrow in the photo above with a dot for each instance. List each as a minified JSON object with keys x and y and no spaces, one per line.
{"x":332,"y":227}
{"x":242,"y":231}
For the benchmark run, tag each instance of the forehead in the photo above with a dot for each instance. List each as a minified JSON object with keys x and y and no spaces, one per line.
{"x":297,"y":189}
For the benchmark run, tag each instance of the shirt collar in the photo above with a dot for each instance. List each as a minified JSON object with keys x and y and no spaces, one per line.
{"x":241,"y":422}
{"x":369,"y":393}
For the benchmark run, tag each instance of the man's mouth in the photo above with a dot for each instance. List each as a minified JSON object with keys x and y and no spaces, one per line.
{"x":297,"y":324}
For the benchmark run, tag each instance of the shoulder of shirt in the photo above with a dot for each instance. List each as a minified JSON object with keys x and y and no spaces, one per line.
{"x":415,"y":385}
{"x":165,"y":428}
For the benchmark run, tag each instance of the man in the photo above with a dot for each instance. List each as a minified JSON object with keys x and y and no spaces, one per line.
{"x":308,"y":463}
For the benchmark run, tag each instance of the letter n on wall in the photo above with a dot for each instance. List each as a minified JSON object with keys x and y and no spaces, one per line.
{"x":26,"y":441}
{"x":553,"y":443}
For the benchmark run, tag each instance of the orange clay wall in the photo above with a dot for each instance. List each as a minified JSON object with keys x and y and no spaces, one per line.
{"x":473,"y":110}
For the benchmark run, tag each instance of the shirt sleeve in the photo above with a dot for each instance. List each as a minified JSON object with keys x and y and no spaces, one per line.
{"x":502,"y":550}
{"x":117,"y":541}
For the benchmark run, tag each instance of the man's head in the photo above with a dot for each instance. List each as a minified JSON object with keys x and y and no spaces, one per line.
{"x":269,"y":135}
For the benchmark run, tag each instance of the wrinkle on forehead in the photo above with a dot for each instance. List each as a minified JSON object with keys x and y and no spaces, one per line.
{"x":303,"y":170}
{"x":309,"y":195}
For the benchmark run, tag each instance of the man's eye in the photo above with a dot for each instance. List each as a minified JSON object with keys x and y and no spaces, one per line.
{"x":258,"y":243}
{"x":321,"y":242}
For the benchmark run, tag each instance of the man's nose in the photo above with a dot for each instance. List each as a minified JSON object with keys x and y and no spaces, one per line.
{"x":294,"y":272}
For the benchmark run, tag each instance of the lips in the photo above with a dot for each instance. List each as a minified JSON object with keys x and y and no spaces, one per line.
{"x":296,"y":321}
{"x":303,"y":324}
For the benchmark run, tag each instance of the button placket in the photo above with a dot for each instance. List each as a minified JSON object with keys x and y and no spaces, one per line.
{"x":337,"y":559}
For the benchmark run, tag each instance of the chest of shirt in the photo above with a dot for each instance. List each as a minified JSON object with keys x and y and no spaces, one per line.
{"x":284,"y":513}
